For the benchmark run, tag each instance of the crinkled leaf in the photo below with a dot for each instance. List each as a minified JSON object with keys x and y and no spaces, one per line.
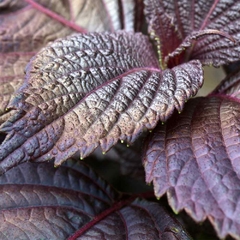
{"x":34,"y":29}
{"x":162,"y":30}
{"x":38,"y":201}
{"x":194,"y":158}
{"x":81,"y":91}
{"x":11,"y":77}
{"x":187,"y":19}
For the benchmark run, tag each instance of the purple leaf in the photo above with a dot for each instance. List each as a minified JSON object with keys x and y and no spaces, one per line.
{"x":132,"y":14}
{"x":80,"y":92}
{"x":12,"y":74}
{"x":127,"y":156}
{"x":19,"y":42}
{"x":194,"y":158}
{"x":38,"y":23}
{"x":71,"y":202}
{"x":184,"y":20}
{"x":230,"y":86}
{"x":162,"y":30}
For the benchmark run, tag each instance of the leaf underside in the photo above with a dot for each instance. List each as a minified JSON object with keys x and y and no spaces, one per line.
{"x":38,"y":201}
{"x":81,"y":91}
{"x":195,"y":158}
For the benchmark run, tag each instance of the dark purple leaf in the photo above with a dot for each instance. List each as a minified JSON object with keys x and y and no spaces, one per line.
{"x":162,"y":30}
{"x":184,"y":20}
{"x":230,"y":86}
{"x":81,"y":91}
{"x":38,"y":201}
{"x":132,"y":14}
{"x":127,"y":156}
{"x":194,"y":158}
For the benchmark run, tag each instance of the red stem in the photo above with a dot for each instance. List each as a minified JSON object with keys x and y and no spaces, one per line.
{"x":115,"y":207}
{"x":55,"y":16}
{"x":209,"y":14}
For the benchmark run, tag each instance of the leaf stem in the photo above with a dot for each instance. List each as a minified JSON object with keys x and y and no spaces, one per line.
{"x":55,"y":16}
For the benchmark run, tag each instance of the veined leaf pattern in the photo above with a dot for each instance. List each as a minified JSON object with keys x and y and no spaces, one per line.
{"x":34,"y":29}
{"x":81,"y":91}
{"x":39,"y":201}
{"x":195,"y":157}
{"x":188,"y":18}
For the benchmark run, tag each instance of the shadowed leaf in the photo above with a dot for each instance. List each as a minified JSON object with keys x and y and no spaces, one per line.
{"x":230,"y":86}
{"x":81,"y":91}
{"x":127,"y":156}
{"x":195,"y":158}
{"x":183,"y":20}
{"x":38,"y":201}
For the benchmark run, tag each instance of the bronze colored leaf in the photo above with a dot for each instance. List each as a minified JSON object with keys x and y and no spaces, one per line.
{"x":81,"y":91}
{"x":25,"y":28}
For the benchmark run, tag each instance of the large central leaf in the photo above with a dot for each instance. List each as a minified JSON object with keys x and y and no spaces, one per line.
{"x":81,"y":91}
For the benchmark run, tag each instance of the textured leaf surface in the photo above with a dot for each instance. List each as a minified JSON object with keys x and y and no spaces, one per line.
{"x":194,"y":158}
{"x":81,"y":91}
{"x":11,"y":77}
{"x":35,"y":29}
{"x":182,"y":18}
{"x":38,"y":201}
{"x":230,"y":86}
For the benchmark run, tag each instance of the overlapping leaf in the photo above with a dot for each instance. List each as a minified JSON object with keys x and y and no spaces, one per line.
{"x":128,"y":157}
{"x":230,"y":86}
{"x":198,"y":25}
{"x":194,"y":158}
{"x":38,"y":201}
{"x":81,"y":91}
{"x":34,"y":29}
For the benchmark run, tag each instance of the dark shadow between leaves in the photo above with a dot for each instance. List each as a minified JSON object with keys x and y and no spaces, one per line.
{"x":2,"y":137}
